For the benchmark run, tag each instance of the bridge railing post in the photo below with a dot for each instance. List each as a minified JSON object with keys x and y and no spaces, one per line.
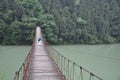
{"x":68,"y":69}
{"x":17,"y":75}
{"x":81,"y":75}
{"x":73,"y":70}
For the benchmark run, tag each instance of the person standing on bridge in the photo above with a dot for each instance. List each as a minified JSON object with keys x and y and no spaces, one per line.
{"x":39,"y":39}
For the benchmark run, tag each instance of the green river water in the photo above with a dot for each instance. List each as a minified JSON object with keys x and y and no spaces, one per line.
{"x":103,"y":60}
{"x":11,"y":58}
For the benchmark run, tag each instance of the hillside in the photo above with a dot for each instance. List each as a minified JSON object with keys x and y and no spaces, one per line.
{"x":85,"y":21}
{"x":62,"y":21}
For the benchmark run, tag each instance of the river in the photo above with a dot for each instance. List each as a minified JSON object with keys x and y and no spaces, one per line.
{"x":103,"y":60}
{"x":11,"y":58}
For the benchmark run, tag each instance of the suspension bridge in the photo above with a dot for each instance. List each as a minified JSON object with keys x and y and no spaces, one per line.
{"x":45,"y":63}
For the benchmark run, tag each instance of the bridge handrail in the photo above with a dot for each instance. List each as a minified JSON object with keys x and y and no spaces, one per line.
{"x":55,"y":55}
{"x":21,"y":69}
{"x":24,"y":67}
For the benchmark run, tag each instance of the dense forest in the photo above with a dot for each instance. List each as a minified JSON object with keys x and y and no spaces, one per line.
{"x":62,"y":21}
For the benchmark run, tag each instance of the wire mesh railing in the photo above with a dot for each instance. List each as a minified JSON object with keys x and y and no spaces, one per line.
{"x":70,"y":69}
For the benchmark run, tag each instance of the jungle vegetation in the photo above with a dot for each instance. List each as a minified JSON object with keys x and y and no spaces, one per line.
{"x":62,"y":21}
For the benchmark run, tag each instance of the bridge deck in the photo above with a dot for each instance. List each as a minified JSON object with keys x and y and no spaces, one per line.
{"x":41,"y":66}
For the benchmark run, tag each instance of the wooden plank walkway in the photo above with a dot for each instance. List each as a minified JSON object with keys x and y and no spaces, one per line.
{"x":41,"y":67}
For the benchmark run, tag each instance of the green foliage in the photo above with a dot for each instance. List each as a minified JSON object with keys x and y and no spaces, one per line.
{"x":49,"y":29}
{"x":2,"y":75}
{"x":85,"y":21}
{"x":62,"y":21}
{"x":81,"y":21}
{"x":2,"y":27}
{"x":19,"y":19}
{"x":77,"y":2}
